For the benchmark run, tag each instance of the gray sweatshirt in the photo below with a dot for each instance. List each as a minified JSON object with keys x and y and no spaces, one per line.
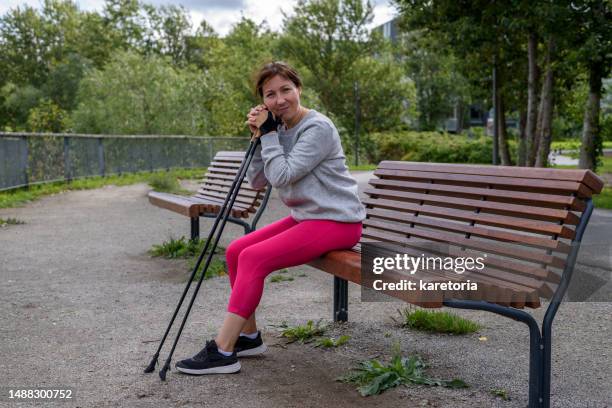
{"x":306,"y":164}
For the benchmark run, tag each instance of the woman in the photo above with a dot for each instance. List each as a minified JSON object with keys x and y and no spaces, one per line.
{"x":301,"y":156}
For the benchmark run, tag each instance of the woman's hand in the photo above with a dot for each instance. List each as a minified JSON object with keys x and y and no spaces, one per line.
{"x":252,"y":117}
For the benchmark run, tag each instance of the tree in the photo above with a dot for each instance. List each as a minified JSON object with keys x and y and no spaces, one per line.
{"x":142,"y":95}
{"x":595,"y":19}
{"x":343,"y":62}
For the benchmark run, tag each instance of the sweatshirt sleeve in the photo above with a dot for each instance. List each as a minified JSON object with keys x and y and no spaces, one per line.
{"x":255,"y":173}
{"x":312,"y":147}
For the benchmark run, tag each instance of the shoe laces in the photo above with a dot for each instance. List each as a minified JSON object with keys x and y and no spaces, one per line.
{"x":210,"y":345}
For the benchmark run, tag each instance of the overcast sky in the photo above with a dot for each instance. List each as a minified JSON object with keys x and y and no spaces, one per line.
{"x":221,"y":14}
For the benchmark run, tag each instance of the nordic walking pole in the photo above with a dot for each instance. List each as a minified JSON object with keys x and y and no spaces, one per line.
{"x":151,"y":367}
{"x":166,"y":367}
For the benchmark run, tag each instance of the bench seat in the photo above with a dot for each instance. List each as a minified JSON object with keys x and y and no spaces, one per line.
{"x":210,"y":196}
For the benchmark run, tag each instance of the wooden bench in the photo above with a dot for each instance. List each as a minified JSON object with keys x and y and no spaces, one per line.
{"x":529,"y":222}
{"x":209,"y":198}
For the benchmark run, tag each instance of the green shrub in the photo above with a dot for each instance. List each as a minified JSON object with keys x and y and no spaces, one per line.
{"x":434,"y":147}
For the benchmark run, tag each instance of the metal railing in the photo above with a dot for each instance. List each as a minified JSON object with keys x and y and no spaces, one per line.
{"x":35,"y":158}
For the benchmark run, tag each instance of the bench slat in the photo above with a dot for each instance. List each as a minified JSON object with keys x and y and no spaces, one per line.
{"x":493,"y":207}
{"x":520,"y":224}
{"x":501,"y":195}
{"x":586,"y":177}
{"x":504,"y":236}
{"x":552,"y":186}
{"x":243,"y":193}
{"x":457,"y":240}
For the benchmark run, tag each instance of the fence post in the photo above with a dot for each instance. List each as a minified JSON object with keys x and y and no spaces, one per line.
{"x":24,"y":159}
{"x":210,"y":150}
{"x":67,"y":169}
{"x":101,"y":164}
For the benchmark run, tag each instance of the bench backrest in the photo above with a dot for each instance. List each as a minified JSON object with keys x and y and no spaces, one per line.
{"x":218,"y":180}
{"x":524,"y":218}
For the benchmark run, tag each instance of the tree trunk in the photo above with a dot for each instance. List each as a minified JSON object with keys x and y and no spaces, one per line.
{"x":543,"y":132}
{"x":522,"y":148}
{"x":532,"y":99}
{"x":459,"y":115}
{"x":589,"y":149}
{"x":502,"y":133}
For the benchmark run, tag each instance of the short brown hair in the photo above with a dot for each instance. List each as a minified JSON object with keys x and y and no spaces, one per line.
{"x":272,"y":69}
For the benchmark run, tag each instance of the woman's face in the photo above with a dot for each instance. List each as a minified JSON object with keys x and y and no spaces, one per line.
{"x":281,"y":97}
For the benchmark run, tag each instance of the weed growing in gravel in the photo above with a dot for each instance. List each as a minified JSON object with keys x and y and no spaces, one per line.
{"x":501,"y":393}
{"x":373,"y":377}
{"x":216,"y":268}
{"x":191,"y":249}
{"x":10,"y":221}
{"x":305,"y":333}
{"x":178,"y":248}
{"x":330,"y":342}
{"x":436,"y":321}
{"x":280,"y":278}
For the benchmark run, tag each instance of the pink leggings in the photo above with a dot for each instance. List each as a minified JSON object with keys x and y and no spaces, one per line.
{"x":281,"y":244}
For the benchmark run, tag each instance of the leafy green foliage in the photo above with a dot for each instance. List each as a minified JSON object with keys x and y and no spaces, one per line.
{"x":178,"y":248}
{"x":331,"y":342}
{"x":304,"y":333}
{"x":373,"y":377}
{"x":432,"y":147}
{"x":48,"y":117}
{"x":142,"y":95}
{"x":191,"y":249}
{"x":437,"y":321}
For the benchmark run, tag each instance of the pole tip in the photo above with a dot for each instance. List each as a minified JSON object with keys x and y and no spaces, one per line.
{"x":151,"y":367}
{"x":162,"y":374}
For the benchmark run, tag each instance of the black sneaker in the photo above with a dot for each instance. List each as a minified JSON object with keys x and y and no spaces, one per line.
{"x":209,"y":361}
{"x":245,"y":347}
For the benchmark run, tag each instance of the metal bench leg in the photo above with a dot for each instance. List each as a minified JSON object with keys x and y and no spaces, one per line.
{"x":536,"y":346}
{"x":195,"y":227}
{"x":340,"y":299}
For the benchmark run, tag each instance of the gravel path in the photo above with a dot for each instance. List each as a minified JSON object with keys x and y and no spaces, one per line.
{"x":83,"y":306}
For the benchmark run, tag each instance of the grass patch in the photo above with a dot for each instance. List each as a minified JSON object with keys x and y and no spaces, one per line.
{"x":10,"y":221}
{"x":436,"y":321}
{"x":183,"y":248}
{"x":21,"y":196}
{"x":280,"y":278}
{"x":606,"y":165}
{"x":574,"y":145}
{"x":305,"y":333}
{"x":167,"y":183}
{"x":603,"y":199}
{"x":331,"y":342}
{"x":501,"y":393}
{"x":362,"y":167}
{"x":373,"y":377}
